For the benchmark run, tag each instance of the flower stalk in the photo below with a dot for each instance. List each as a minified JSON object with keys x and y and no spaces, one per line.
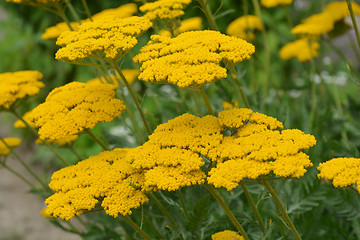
{"x":226,"y":209}
{"x":282,"y":210}
{"x":118,"y":70}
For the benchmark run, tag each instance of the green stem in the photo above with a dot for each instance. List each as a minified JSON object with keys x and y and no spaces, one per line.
{"x":313,"y":97}
{"x":184,"y":208}
{"x":46,"y":188}
{"x":206,"y":100}
{"x":182,"y":203}
{"x":239,"y":85}
{"x":72,"y":10}
{"x":60,"y":12}
{"x":195,"y":98}
{"x":118,"y":70}
{"x":97,"y":140}
{"x":163,"y":209}
{"x":76,"y":153}
{"x":342,"y":116}
{"x":18,"y":175}
{"x":287,"y":15}
{"x":209,"y":15}
{"x":282,"y":210}
{"x":226,"y":209}
{"x":253,"y":207}
{"x":47,"y":144}
{"x":135,"y":227}
{"x":73,"y":228}
{"x":349,"y":3}
{"x":267,"y":53}
{"x":131,"y":116}
{"x":350,"y":66}
{"x":152,"y":226}
{"x":86,"y":7}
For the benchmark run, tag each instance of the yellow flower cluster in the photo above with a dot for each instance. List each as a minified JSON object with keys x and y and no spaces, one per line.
{"x":227,"y":105}
{"x":75,"y":107}
{"x":124,"y":11}
{"x":274,"y":3}
{"x":190,"y":24}
{"x":164,"y":9}
{"x":239,"y":144}
{"x":303,"y":49}
{"x":342,"y":171}
{"x":170,"y":159}
{"x":18,"y":85}
{"x":255,"y":147}
{"x":55,"y":31}
{"x":324,"y":22}
{"x":107,"y":38}
{"x":339,"y":9}
{"x":102,"y":178}
{"x":29,"y":119}
{"x":12,"y":142}
{"x":242,"y":26}
{"x":315,"y":25}
{"x":226,"y":235}
{"x":130,"y":75}
{"x":191,"y":59}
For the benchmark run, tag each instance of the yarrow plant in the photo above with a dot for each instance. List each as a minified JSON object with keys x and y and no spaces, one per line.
{"x":190,"y":170}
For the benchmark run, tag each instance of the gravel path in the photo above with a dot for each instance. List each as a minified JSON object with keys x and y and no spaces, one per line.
{"x":20,"y":217}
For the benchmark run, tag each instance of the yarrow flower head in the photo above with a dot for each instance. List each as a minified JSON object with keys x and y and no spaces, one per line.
{"x":226,"y":235}
{"x":54,"y":32}
{"x":315,"y":25}
{"x":102,"y":179}
{"x":29,"y":119}
{"x":256,"y":147}
{"x":343,"y":172}
{"x":164,"y":9}
{"x":124,"y":11}
{"x":274,"y":3}
{"x":71,"y":109}
{"x":324,"y":22}
{"x":18,"y":85}
{"x":107,"y":38}
{"x":190,"y":24}
{"x":303,"y":49}
{"x":191,"y":59}
{"x":239,"y":144}
{"x":241,"y":27}
{"x":11,"y":142}
{"x":339,"y":9}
